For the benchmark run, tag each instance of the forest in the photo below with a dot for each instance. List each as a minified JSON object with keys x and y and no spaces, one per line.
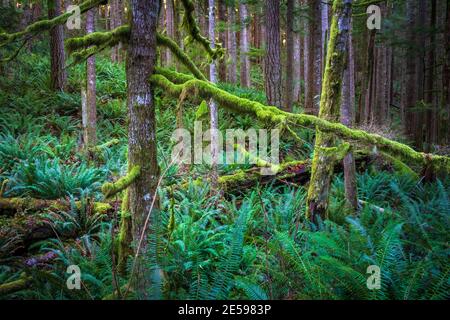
{"x":224,"y":149}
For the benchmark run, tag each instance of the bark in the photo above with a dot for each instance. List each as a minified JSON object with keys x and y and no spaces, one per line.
{"x":324,"y":33}
{"x":90,"y":111}
{"x":322,"y":165}
{"x":214,"y":116}
{"x":272,"y":64}
{"x":58,"y":76}
{"x":142,"y":149}
{"x":244,"y":43}
{"x":289,"y":85}
{"x":232,"y":50}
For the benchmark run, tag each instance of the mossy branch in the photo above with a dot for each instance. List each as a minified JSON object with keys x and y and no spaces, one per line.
{"x":109,"y":189}
{"x":83,"y":47}
{"x":194,"y":31}
{"x":104,"y":146}
{"x":165,"y":79}
{"x":45,"y":25}
{"x":181,"y":55}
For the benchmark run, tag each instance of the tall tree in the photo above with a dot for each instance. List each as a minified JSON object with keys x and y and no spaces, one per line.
{"x":347,"y":118}
{"x":214,"y":116}
{"x":297,"y":56}
{"x":170,"y":27}
{"x":141,"y":58}
{"x":314,"y":61}
{"x":222,"y":10}
{"x":231,"y":46}
{"x":244,"y":42}
{"x":58,"y":76}
{"x":272,"y":62}
{"x":90,"y":112}
{"x":289,"y":84}
{"x":116,"y":21}
{"x":324,"y":154}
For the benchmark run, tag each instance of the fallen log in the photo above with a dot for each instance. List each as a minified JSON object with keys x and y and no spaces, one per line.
{"x":9,"y":206}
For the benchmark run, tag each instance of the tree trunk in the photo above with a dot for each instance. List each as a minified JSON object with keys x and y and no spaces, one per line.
{"x":89,"y":113}
{"x":324,"y":157}
{"x":245,"y":59}
{"x":289,"y":85}
{"x":222,"y":38}
{"x":232,"y":50}
{"x":170,"y":28}
{"x":214,"y":117}
{"x":58,"y":75}
{"x":314,"y":50}
{"x":431,"y":130}
{"x":297,"y":55}
{"x":142,"y":149}
{"x":116,"y":21}
{"x":272,"y":64}
{"x":347,"y":118}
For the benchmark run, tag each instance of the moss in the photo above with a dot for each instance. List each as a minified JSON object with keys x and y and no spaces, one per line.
{"x":45,"y":25}
{"x":112,"y":37}
{"x":181,"y":55}
{"x":173,"y":83}
{"x":110,"y":189}
{"x":103,"y":146}
{"x":125,"y":237}
{"x":194,"y":31}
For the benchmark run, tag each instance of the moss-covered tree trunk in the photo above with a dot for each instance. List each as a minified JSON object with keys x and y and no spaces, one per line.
{"x":58,"y":75}
{"x":324,"y":155}
{"x":142,"y":149}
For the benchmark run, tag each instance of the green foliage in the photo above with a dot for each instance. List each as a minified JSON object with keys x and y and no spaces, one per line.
{"x":49,"y":179}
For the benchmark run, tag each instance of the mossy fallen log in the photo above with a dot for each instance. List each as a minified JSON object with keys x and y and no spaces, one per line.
{"x":12,"y":205}
{"x":173,"y":84}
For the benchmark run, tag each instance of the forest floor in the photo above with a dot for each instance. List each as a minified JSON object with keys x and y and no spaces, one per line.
{"x":252,"y":242}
